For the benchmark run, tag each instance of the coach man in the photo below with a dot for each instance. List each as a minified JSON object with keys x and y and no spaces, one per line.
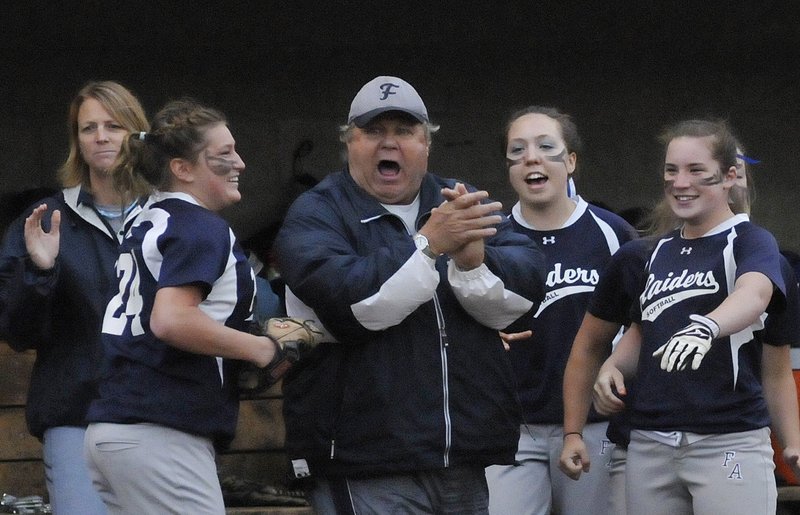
{"x":412,"y":275}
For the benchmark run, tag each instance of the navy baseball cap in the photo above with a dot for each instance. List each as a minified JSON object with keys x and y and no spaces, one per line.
{"x":383,"y":94}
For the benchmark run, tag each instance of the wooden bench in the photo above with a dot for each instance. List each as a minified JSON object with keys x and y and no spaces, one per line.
{"x":255,"y":454}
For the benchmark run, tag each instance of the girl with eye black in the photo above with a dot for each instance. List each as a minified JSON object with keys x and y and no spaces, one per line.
{"x":608,"y":310}
{"x":176,"y":326}
{"x":700,"y":415}
{"x":577,"y":240}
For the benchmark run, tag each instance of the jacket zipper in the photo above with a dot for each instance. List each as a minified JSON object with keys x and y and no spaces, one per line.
{"x":443,"y":344}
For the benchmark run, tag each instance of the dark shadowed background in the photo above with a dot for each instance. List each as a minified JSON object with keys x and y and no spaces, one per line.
{"x":285,"y":73}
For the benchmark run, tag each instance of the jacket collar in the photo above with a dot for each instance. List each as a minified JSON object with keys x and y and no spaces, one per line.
{"x":81,"y":202}
{"x":371,"y":209}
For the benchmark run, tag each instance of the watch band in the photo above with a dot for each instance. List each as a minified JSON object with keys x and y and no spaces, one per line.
{"x":421,"y":243}
{"x":428,"y":252}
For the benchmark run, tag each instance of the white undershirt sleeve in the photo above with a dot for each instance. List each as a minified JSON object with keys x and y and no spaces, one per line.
{"x":412,"y":285}
{"x":484,"y":296}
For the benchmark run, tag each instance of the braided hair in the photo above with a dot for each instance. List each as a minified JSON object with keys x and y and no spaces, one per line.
{"x":178,"y":131}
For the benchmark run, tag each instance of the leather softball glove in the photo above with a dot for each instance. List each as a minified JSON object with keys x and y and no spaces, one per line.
{"x":293,"y":337}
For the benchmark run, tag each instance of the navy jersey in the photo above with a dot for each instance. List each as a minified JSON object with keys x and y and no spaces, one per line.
{"x":174,"y":242}
{"x":575,"y":255}
{"x":613,"y":300}
{"x":694,"y":276}
{"x":621,"y":282}
{"x":783,"y":327}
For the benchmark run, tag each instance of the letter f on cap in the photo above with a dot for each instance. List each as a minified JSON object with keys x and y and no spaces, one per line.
{"x":383,"y":94}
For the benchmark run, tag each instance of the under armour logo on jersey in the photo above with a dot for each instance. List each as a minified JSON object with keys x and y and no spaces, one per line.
{"x":548,"y":240}
{"x":387,"y":89}
{"x":686,"y":250}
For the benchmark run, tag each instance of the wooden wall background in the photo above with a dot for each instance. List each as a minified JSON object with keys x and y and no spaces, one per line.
{"x":256,"y":453}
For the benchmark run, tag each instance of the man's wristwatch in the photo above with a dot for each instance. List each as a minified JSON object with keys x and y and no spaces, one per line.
{"x":422,"y":244}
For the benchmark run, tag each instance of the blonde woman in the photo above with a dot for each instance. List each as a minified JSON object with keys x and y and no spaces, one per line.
{"x":56,"y":267}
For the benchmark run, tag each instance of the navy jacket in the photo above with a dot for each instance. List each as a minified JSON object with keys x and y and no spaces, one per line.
{"x":59,"y":312}
{"x":415,"y":396}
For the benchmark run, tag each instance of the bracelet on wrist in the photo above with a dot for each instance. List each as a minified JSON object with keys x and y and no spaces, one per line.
{"x":574,"y":433}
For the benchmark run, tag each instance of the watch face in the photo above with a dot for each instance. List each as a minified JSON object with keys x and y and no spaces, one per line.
{"x":420,"y":241}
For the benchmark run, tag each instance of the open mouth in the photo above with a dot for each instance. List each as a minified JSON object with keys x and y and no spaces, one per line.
{"x":390,"y":168}
{"x":535,"y":178}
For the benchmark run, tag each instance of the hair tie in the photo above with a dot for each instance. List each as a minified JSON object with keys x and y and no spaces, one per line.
{"x":748,"y":160}
{"x":572,"y":192}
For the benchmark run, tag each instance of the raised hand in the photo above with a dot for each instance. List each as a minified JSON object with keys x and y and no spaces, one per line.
{"x":43,"y":246}
{"x":460,"y":224}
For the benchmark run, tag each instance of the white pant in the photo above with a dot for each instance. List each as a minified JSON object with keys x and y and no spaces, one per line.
{"x":616,"y":473}
{"x":538,"y":487}
{"x":730,"y":473}
{"x":147,"y":468}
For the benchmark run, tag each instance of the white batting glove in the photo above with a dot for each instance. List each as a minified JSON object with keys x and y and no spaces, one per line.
{"x":690,"y":343}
